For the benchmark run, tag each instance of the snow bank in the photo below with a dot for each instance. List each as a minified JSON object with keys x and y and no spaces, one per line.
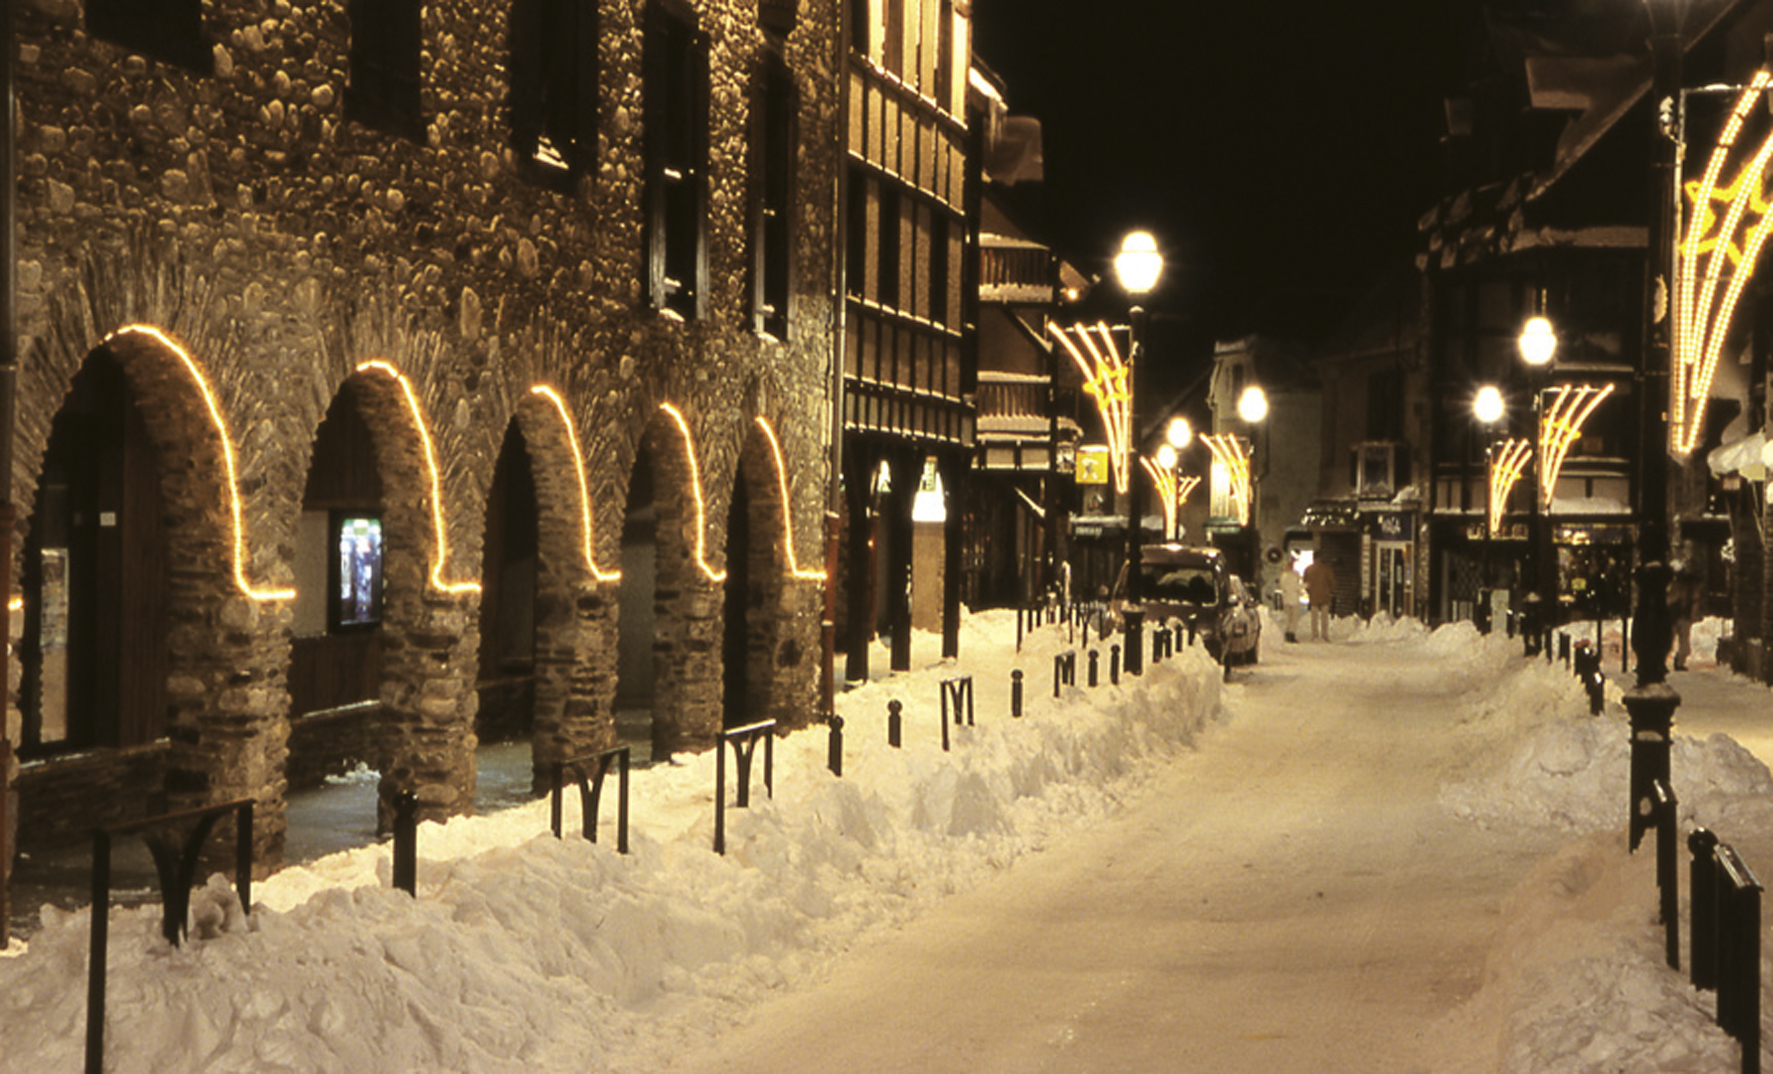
{"x":525,"y":953}
{"x":1578,"y":982}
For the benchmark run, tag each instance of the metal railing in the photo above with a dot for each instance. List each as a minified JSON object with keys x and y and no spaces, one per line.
{"x":1064,"y":670}
{"x":957,"y":695}
{"x":1662,"y":804}
{"x":175,"y":862}
{"x":744,"y":742}
{"x":1726,"y":939}
{"x":589,"y":772}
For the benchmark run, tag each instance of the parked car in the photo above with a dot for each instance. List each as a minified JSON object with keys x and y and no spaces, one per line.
{"x":1193,"y":585}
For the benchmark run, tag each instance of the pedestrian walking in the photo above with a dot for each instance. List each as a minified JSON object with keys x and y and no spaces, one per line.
{"x":1320,"y":590}
{"x":1684,"y":592}
{"x":1292,"y":591}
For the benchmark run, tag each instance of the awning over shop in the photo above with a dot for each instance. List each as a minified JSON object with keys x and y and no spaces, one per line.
{"x":1747,"y":456}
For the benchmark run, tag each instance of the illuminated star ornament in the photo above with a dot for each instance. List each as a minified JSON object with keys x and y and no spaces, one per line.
{"x":1713,"y":263}
{"x":1105,"y":375}
{"x":1229,"y":452}
{"x":1507,"y":461}
{"x":1560,"y":424}
{"x":1172,"y":489}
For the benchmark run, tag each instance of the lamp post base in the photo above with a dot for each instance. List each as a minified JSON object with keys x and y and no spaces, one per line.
{"x":1652,"y":709}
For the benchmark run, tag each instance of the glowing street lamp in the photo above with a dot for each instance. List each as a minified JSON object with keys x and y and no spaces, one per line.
{"x":1180,"y":433}
{"x":1488,"y":405}
{"x":1138,"y":267}
{"x":1537,"y":343}
{"x":1252,"y":405}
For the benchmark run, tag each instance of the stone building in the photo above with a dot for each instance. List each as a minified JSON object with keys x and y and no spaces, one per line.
{"x":393,"y":374}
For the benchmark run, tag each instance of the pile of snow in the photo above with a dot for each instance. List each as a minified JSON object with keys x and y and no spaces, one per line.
{"x":1578,"y":983}
{"x":525,"y":953}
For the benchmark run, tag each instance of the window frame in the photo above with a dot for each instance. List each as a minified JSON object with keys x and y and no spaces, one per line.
{"x":677,"y":88}
{"x":553,"y":66}
{"x":775,"y":137}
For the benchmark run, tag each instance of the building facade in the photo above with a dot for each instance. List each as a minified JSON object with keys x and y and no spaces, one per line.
{"x":394,"y":375}
{"x":909,"y":297}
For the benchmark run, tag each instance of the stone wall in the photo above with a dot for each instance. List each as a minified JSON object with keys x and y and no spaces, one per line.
{"x":278,"y":246}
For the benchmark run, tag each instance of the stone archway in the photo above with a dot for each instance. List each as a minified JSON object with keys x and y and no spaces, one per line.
{"x":670,"y":595}
{"x":410,"y":631}
{"x":198,"y":646}
{"x":763,"y":658}
{"x":573,"y":610}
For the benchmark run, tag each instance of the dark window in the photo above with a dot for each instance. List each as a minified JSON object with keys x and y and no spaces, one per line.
{"x":773,"y":176}
{"x":888,"y":229}
{"x":778,"y":16}
{"x":939,"y":311}
{"x":856,"y":241}
{"x":383,"y":89}
{"x":860,"y":13}
{"x":676,"y":159}
{"x":554,"y":88}
{"x":169,"y":30}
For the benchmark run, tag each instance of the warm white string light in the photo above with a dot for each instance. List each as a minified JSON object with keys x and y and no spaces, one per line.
{"x":235,"y":510}
{"x":1715,"y":249}
{"x":1507,"y":460}
{"x":439,"y":529}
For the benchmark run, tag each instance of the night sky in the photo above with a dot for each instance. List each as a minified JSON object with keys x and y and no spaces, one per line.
{"x":1282,"y":152}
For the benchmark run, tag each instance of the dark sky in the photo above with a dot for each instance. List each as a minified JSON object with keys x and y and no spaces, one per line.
{"x":1281,"y":152}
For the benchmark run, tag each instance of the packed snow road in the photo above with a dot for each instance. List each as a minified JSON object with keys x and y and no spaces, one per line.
{"x":1291,"y":897}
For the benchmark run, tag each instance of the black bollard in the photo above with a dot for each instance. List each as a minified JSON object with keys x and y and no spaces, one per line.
{"x":834,"y":754}
{"x":1016,"y":692}
{"x":1134,"y":636}
{"x":1702,"y":886}
{"x":894,"y":720}
{"x":1094,"y":659}
{"x":406,"y":842}
{"x":1114,"y":664}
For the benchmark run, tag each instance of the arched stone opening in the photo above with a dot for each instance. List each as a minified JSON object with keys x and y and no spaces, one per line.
{"x":669,"y":681}
{"x":569,"y":611}
{"x":382,"y":665}
{"x":149,"y":679}
{"x":764,"y":659}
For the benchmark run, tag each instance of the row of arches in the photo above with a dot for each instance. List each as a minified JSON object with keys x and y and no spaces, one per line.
{"x":155,"y":616}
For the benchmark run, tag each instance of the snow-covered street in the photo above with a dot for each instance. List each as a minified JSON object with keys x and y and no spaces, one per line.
{"x":1289,"y":898}
{"x":1404,"y":851}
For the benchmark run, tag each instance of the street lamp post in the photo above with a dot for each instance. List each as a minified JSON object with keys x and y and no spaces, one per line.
{"x":1651,"y":702}
{"x":1488,"y":407}
{"x":1137,"y":267}
{"x":1252,"y":409}
{"x":1537,"y":343}
{"x":1177,"y":437}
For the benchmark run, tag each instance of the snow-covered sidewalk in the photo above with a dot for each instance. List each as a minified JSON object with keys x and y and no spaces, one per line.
{"x":526,"y":953}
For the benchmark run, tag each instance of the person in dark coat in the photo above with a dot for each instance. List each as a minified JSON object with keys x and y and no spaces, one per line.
{"x":1684,"y":592}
